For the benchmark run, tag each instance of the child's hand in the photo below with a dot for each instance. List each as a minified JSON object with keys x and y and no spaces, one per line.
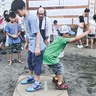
{"x":46,"y":42}
{"x":37,"y":51}
{"x":14,"y":36}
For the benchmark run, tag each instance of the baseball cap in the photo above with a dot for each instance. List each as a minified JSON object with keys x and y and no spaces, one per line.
{"x":66,"y":29}
{"x":41,"y":10}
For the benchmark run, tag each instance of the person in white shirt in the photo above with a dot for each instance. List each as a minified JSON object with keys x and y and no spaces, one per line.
{"x":55,"y":29}
{"x":80,"y":31}
{"x":91,"y":36}
{"x":45,"y":25}
{"x":85,"y":15}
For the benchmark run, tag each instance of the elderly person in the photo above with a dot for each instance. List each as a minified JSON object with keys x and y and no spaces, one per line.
{"x":45,"y":25}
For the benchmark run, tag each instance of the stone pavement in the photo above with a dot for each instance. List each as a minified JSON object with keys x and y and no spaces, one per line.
{"x":47,"y":90}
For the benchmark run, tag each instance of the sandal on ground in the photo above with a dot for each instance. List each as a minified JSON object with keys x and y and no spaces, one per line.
{"x":86,"y":46}
{"x":10,"y":63}
{"x":20,"y":61}
{"x":92,"y":47}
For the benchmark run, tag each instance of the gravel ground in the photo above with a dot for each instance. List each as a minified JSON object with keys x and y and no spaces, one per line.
{"x":79,"y":71}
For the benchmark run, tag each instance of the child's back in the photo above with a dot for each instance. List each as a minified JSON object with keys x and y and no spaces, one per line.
{"x":54,"y":49}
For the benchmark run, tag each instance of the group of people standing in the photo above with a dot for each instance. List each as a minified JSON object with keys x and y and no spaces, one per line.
{"x":38,"y":31}
{"x":82,"y":27}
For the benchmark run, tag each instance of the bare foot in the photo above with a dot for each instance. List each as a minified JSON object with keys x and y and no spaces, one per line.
{"x":10,"y":63}
{"x":20,"y":61}
{"x":92,"y":47}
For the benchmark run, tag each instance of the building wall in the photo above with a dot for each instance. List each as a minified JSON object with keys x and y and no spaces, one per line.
{"x":64,"y":11}
{"x":5,"y":5}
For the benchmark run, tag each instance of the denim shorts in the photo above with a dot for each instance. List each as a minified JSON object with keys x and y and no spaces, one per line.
{"x":58,"y":68}
{"x":35,"y":62}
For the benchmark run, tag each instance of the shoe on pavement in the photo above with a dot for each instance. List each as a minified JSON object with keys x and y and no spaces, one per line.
{"x":54,"y":80}
{"x":34,"y":87}
{"x":61,"y":86}
{"x":28,"y":80}
{"x":79,"y":46}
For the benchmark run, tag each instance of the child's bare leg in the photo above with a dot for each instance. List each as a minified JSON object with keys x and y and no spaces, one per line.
{"x":1,"y":44}
{"x":92,"y":45}
{"x":37,"y":78}
{"x":76,"y":42}
{"x":30,"y":73}
{"x":10,"y":55}
{"x":94,"y":40}
{"x":19,"y":58}
{"x":60,"y":79}
{"x":87,"y":41}
{"x":80,"y":41}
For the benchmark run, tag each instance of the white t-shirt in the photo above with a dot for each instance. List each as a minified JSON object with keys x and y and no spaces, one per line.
{"x":48,"y":26}
{"x":79,"y":30}
{"x":92,"y":24}
{"x":54,"y":29}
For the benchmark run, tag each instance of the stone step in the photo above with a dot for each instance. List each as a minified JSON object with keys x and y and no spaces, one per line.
{"x":47,"y":90}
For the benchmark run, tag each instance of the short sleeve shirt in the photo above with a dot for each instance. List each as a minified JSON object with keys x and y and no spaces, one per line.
{"x":31,"y":28}
{"x":13,"y":29}
{"x":53,"y":50}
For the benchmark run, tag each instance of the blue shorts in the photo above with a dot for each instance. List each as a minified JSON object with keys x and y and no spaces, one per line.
{"x":35,"y":62}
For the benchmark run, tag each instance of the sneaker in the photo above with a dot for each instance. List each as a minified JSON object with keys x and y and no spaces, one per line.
{"x":34,"y":87}
{"x":86,"y":46}
{"x":53,"y":80}
{"x":27,"y":81}
{"x":62,"y":86}
{"x":79,"y":46}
